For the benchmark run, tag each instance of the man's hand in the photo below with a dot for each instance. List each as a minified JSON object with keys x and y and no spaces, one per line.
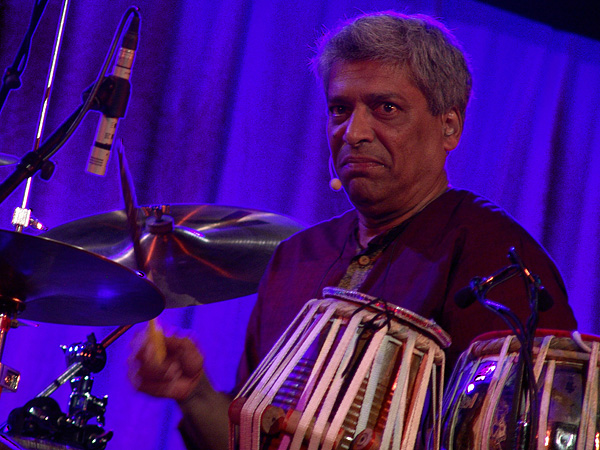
{"x":165,"y":366}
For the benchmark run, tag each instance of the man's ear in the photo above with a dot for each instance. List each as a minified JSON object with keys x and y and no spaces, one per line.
{"x":452,"y":126}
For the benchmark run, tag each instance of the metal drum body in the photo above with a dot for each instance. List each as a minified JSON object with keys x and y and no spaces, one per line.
{"x":22,"y":443}
{"x":349,"y":372}
{"x":478,"y":401}
{"x":8,"y":444}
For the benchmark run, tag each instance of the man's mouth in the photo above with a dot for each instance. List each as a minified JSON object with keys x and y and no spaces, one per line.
{"x":353,"y":163}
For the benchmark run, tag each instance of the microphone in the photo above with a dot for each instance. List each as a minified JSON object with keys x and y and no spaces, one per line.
{"x":465,"y":297}
{"x":335,"y":184}
{"x":115,"y":105}
{"x":479,"y":286}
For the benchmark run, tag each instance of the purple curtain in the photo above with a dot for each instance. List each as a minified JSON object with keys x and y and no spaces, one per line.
{"x":224,"y":110}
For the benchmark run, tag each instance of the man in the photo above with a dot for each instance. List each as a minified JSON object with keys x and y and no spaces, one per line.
{"x":397,"y":88}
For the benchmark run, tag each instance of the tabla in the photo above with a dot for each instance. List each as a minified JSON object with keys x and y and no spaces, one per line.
{"x":477,"y":404}
{"x":349,"y":372}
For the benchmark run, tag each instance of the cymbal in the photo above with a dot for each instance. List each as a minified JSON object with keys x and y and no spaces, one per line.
{"x":195,"y":254}
{"x":59,"y":283}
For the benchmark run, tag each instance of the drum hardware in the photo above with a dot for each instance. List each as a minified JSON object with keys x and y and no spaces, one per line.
{"x":9,"y":378}
{"x":49,"y":281}
{"x":82,"y":405}
{"x":9,"y":308}
{"x":41,"y":418}
{"x":41,"y":421}
{"x":521,"y":432}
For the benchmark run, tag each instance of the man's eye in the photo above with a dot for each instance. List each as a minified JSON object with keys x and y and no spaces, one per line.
{"x":388,"y":108}
{"x":337,"y":110}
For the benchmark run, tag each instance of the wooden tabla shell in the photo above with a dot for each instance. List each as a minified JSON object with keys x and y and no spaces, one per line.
{"x":349,"y":372}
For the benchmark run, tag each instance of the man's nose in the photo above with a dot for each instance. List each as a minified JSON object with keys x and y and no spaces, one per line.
{"x":358,"y":128}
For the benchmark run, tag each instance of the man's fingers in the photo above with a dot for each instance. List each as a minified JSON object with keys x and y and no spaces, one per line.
{"x":165,"y":366}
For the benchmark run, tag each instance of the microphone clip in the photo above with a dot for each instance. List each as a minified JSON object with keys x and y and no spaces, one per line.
{"x":112,"y":96}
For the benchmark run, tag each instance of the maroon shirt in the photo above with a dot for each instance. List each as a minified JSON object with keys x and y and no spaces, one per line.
{"x":436,"y":253}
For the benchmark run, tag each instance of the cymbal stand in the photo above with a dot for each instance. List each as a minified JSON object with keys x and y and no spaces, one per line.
{"x":82,"y":405}
{"x":76,"y":366}
{"x":41,"y":417}
{"x":9,"y":308}
{"x":22,"y":215}
{"x":85,"y":358}
{"x":128,"y":192}
{"x":39,"y":160}
{"x":91,"y":357}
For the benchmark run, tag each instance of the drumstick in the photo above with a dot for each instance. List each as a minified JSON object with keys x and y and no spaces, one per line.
{"x":156,"y":338}
{"x":154,"y":334}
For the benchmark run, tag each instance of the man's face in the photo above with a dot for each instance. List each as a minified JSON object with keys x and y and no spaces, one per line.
{"x":388,"y":150}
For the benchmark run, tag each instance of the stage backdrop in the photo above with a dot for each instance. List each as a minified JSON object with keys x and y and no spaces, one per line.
{"x":224,"y":110}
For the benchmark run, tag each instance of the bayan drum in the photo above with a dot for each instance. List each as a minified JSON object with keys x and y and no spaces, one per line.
{"x":477,"y":403}
{"x":350,"y":372}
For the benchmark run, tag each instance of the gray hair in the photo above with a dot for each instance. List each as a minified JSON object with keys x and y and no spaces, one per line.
{"x":432,"y":55}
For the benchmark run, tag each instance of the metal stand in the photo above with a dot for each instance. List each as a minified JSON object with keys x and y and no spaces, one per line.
{"x":42,"y":418}
{"x":77,"y":364}
{"x":522,"y":426}
{"x":9,"y":308}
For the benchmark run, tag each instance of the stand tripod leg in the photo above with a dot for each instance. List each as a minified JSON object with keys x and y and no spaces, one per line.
{"x":9,"y":308}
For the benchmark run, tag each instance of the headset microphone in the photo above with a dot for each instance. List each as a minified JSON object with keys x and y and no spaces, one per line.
{"x":334,"y":183}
